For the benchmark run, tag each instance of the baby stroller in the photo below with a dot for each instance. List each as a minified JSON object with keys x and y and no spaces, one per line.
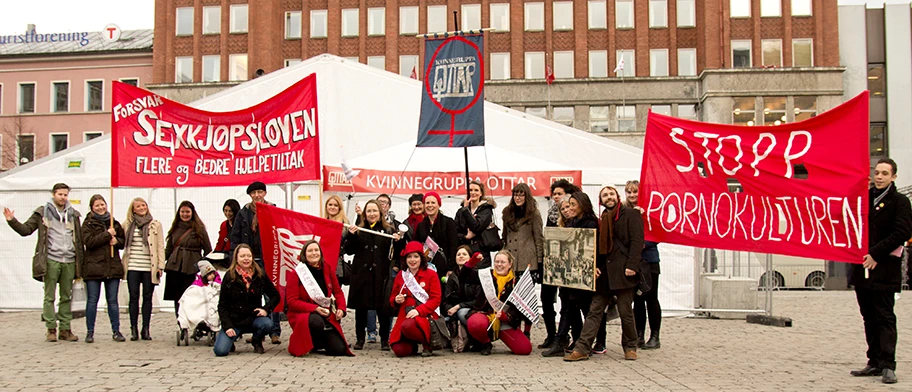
{"x":199,"y":308}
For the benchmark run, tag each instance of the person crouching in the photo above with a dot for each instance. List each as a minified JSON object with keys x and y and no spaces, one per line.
{"x":240,"y":310}
{"x":416,"y":297}
{"x":492,"y":319}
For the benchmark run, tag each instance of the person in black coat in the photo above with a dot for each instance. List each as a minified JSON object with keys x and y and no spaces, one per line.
{"x":103,"y":238}
{"x":474,"y":217}
{"x":462,"y":286}
{"x":244,"y":289}
{"x":443,"y":230}
{"x":879,"y":277}
{"x":370,"y":284}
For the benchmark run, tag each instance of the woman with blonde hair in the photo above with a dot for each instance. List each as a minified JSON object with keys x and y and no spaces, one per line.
{"x":333,"y":210}
{"x":646,"y":304}
{"x":492,"y":318}
{"x":143,"y":259}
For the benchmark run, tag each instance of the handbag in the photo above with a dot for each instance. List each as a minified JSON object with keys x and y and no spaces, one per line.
{"x":440,"y":334}
{"x":490,"y":239}
{"x":644,"y":283}
{"x":344,"y":271}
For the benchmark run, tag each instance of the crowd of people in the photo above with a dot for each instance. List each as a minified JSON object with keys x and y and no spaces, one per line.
{"x":430,"y":282}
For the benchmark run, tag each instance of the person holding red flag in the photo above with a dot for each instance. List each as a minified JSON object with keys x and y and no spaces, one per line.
{"x":316,"y":306}
{"x":416,"y":296}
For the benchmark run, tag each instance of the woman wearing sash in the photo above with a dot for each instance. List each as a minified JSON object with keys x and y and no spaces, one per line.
{"x":370,"y":272}
{"x":492,"y":317}
{"x":316,"y":306}
{"x":442,"y":230}
{"x":416,"y":296}
{"x":185,"y":245}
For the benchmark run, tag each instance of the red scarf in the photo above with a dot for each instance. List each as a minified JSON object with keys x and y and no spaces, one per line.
{"x":413,"y":220}
{"x":246,"y":276}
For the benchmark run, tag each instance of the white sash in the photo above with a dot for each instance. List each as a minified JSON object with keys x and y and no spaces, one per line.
{"x":311,"y":286}
{"x":487,"y":283}
{"x":417,"y":291}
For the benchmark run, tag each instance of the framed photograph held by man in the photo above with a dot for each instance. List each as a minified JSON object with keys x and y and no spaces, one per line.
{"x":569,"y":258}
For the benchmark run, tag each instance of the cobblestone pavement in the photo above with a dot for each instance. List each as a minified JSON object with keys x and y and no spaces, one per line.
{"x":816,"y":354}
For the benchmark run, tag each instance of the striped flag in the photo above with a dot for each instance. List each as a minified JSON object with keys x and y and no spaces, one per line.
{"x":523,"y":296}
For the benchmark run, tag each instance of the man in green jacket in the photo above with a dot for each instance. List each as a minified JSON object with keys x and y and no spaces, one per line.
{"x":57,"y":256}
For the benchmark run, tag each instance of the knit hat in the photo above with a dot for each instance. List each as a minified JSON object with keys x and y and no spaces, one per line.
{"x":205,"y":267}
{"x":256,"y":186}
{"x":416,"y":197}
{"x":412,"y":247}
{"x":434,"y":195}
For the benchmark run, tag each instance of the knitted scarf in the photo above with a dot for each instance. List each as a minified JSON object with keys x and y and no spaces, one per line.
{"x":501,"y":283}
{"x":606,"y":229}
{"x":246,"y":276}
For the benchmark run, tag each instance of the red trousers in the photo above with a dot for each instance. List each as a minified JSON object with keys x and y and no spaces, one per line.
{"x":513,"y":338}
{"x":411,"y":337}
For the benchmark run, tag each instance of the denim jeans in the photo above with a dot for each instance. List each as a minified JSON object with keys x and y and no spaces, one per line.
{"x":260,"y":328}
{"x":276,"y":317}
{"x":93,"y":292}
{"x":372,"y":321}
{"x":463,"y":316}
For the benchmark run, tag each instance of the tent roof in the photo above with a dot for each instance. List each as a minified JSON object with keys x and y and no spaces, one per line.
{"x":370,"y":117}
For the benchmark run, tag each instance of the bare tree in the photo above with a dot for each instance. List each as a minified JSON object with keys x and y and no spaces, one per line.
{"x":12,"y":129}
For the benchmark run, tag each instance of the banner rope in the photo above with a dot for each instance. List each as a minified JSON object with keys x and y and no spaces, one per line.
{"x":404,"y":169}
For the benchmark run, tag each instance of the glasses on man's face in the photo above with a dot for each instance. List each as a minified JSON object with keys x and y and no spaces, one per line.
{"x":383,"y":202}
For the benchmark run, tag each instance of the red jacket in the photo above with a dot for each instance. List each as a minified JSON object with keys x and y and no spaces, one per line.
{"x":224,"y":243}
{"x":300,"y":306}
{"x":428,"y":280}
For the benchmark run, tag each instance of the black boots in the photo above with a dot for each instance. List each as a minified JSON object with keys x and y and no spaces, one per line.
{"x":653,"y":342}
{"x":557,"y":348}
{"x":258,"y":346}
{"x":145,"y":334}
{"x":547,"y":343}
{"x":134,"y":334}
{"x":640,"y":341}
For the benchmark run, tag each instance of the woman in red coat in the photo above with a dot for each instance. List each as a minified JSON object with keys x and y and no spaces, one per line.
{"x":314,"y":316}
{"x":416,"y":296}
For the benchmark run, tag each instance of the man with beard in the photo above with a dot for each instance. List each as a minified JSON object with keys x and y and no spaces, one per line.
{"x":620,"y":244}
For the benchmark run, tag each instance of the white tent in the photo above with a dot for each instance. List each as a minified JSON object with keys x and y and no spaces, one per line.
{"x":366,"y":114}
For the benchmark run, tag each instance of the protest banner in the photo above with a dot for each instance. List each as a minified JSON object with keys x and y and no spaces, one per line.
{"x":159,"y":143}
{"x":283,"y":233}
{"x":444,"y":183}
{"x":804,"y":185}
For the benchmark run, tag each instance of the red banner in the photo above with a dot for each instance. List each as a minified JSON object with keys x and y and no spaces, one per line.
{"x":283,"y":233}
{"x":160,"y":143}
{"x":805,"y":185}
{"x":444,"y":183}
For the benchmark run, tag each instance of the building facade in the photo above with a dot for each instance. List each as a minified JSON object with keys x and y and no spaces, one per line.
{"x":750,"y":62}
{"x":55,"y":89}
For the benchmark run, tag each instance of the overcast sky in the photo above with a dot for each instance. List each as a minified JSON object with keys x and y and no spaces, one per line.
{"x":61,"y":16}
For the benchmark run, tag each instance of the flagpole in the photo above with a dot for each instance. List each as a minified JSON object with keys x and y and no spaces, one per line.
{"x":465,"y":150}
{"x":111,"y":213}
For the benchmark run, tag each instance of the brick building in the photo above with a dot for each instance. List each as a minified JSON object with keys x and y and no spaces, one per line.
{"x":752,"y":62}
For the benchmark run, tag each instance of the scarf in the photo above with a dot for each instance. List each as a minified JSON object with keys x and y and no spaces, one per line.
{"x":606,"y":229}
{"x":104,"y":218}
{"x":501,"y":283}
{"x":142,"y":222}
{"x":51,"y":212}
{"x":179,"y":231}
{"x":253,"y":219}
{"x":413,"y":220}
{"x":877,"y":195}
{"x":246,"y":276}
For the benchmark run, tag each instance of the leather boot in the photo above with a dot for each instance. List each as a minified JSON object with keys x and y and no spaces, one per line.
{"x":557,"y":348}
{"x":134,"y":334}
{"x":640,"y":340}
{"x":51,"y":335}
{"x":258,"y":346}
{"x":653,"y":342}
{"x":145,"y":334}
{"x":67,"y":336}
{"x":547,"y":343}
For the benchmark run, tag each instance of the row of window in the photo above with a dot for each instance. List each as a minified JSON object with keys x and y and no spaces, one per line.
{"x":212,"y":68}
{"x":25,"y":144}
{"x":775,"y":110}
{"x":802,"y":53}
{"x":60,"y":96}
{"x":769,"y":8}
{"x":617,"y":118}
{"x":212,"y":20}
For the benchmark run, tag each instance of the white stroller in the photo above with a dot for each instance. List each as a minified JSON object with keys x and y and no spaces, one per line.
{"x":199,"y":308}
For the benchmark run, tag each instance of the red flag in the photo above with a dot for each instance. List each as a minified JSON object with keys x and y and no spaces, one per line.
{"x":414,"y":74}
{"x":549,"y":74}
{"x":283,"y":233}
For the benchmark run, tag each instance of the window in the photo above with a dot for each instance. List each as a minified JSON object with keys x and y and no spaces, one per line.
{"x":318,"y":24}
{"x":471,"y":17}
{"x":538,"y":112}
{"x":687,"y":111}
{"x":740,"y":8}
{"x":563,"y":65}
{"x":624,"y":14}
{"x":212,"y":68}
{"x":772,"y":52}
{"x":408,"y":20}
{"x":805,"y":107}
{"x":626,"y":118}
{"x":743,"y":111}
{"x":90,"y":136}
{"x":407,"y":64}
{"x":770,"y":8}
{"x":599,"y":119}
{"x":563,"y":15}
{"x":500,"y":16}
{"x":878,"y":137}
{"x":803,"y":52}
{"x":27,"y":98}
{"x":629,"y":65}
{"x":774,"y":110}
{"x":59,"y":142}
{"x":687,"y":62}
{"x":500,"y":66}
{"x":183,"y":69}
{"x":238,"y":20}
{"x":658,"y":13}
{"x":132,"y":82}
{"x":801,"y":7}
{"x":376,"y":21}
{"x":741,"y":54}
{"x":184,"y":21}
{"x":598,"y":18}
{"x":61,"y":102}
{"x":661,"y":109}
{"x":26,"y":148}
{"x":293,"y":25}
{"x":876,"y":80}
{"x":534,"y":16}
{"x":94,"y":95}
{"x":563,"y":115}
{"x":598,"y":63}
{"x":535,"y":65}
{"x":237,"y":67}
{"x":377,"y":61}
{"x":212,"y":20}
{"x":686,"y":11}
{"x":292,"y":62}
{"x":436,"y":18}
{"x":658,"y":62}
{"x":350,"y":22}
